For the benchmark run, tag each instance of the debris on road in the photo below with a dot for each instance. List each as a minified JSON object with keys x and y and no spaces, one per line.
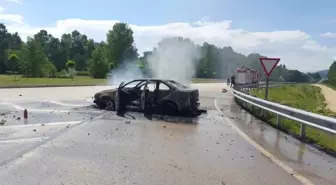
{"x":2,"y":122}
{"x":34,"y":130}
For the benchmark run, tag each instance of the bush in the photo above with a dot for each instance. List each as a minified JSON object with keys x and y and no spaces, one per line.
{"x":99,"y":65}
{"x":70,"y":64}
{"x":83,"y":73}
{"x":48,"y":70}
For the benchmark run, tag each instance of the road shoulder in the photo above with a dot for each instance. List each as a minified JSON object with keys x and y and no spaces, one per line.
{"x":330,"y":96}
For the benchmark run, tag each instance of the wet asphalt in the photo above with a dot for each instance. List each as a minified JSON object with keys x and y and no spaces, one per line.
{"x":65,"y":140}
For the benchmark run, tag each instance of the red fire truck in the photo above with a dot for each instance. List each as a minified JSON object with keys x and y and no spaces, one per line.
{"x":246,"y":76}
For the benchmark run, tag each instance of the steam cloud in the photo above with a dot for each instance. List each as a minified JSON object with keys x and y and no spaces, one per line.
{"x":174,"y":59}
{"x":124,"y":73}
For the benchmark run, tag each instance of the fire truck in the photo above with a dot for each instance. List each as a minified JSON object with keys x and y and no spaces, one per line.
{"x":246,"y":76}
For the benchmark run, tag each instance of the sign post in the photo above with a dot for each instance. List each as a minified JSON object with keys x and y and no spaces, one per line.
{"x":268,"y":65}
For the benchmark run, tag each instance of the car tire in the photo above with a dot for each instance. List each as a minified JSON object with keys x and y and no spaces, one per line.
{"x":106,"y":103}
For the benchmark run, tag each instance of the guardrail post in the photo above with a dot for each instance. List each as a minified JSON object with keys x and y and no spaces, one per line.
{"x":303,"y":131}
{"x":278,"y":120}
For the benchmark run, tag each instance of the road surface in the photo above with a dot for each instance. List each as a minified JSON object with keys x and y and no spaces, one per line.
{"x":330,"y":96}
{"x":66,"y":141}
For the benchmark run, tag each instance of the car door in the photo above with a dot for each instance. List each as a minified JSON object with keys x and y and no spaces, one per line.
{"x":117,"y":102}
{"x":163,"y":91}
{"x":144,"y":97}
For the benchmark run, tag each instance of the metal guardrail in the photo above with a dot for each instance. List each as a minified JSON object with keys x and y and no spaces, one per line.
{"x":305,"y":118}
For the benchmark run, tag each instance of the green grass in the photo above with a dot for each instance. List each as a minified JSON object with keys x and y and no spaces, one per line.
{"x":329,"y":84}
{"x":207,"y":80}
{"x":305,"y":97}
{"x":8,"y":80}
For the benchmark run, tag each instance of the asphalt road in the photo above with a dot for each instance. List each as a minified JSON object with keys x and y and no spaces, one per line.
{"x":67,"y":141}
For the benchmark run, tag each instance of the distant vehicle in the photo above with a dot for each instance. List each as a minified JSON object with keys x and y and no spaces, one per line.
{"x":159,"y":95}
{"x":246,"y":76}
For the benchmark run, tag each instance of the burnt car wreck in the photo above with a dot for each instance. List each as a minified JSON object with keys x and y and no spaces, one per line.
{"x":152,"y":96}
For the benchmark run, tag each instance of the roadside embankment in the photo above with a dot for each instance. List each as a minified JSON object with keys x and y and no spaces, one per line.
{"x":302,"y":96}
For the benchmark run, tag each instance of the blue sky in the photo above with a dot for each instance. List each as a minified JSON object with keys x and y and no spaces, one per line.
{"x":256,"y":15}
{"x":309,"y":16}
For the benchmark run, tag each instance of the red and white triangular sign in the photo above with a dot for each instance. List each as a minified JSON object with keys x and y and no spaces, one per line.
{"x":269,"y":64}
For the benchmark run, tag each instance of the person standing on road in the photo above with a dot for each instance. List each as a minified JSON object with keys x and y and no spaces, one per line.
{"x":228,"y":81}
{"x":232,"y":81}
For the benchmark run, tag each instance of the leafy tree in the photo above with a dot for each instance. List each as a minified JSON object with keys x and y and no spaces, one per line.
{"x":4,"y":45}
{"x":332,"y":74}
{"x":15,"y":41}
{"x":48,"y":70}
{"x":70,"y":64}
{"x":99,"y":63}
{"x":56,"y":54}
{"x":121,"y":47}
{"x":44,"y":38}
{"x":34,"y":59}
{"x":296,"y":76}
{"x":13,"y":63}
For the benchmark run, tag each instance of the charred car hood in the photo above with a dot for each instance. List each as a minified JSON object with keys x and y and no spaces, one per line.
{"x":108,"y":92}
{"x":188,"y":90}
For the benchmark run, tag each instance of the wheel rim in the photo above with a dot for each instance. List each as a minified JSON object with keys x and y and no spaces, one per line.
{"x":109,"y":105}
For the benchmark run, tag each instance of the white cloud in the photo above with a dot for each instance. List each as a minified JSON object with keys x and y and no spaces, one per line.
{"x":15,"y":1}
{"x":1,"y":9}
{"x":13,"y":18}
{"x":329,"y":35}
{"x":296,"y":48}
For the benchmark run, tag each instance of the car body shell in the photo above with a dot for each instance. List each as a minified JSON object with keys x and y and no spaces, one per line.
{"x":183,"y":97}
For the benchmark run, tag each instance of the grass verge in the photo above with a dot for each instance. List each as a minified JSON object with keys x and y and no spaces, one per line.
{"x":10,"y":81}
{"x":329,"y":84}
{"x":302,"y":96}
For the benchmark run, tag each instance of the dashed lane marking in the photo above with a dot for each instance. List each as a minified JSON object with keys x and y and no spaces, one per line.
{"x":18,"y":107}
{"x":23,"y":140}
{"x":44,"y":124}
{"x":66,"y":104}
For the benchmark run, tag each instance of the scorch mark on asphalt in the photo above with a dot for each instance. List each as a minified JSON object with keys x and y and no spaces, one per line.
{"x":281,"y":164}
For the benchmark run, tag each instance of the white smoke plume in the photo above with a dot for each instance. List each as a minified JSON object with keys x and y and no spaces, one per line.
{"x":124,"y":73}
{"x":174,"y":59}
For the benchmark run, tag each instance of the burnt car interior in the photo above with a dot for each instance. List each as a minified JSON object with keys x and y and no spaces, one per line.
{"x":155,"y":90}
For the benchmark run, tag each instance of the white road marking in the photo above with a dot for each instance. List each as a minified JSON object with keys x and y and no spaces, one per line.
{"x":44,"y":124}
{"x":66,"y":104}
{"x":23,"y":140}
{"x":281,"y":164}
{"x":18,"y":107}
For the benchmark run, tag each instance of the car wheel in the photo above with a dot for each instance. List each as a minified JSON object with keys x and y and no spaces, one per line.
{"x":107,"y":103}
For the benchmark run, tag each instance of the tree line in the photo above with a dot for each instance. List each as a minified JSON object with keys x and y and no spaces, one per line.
{"x":332,"y":75}
{"x":44,"y":55}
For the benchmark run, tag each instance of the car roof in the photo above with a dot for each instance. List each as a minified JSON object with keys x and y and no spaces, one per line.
{"x":152,"y":79}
